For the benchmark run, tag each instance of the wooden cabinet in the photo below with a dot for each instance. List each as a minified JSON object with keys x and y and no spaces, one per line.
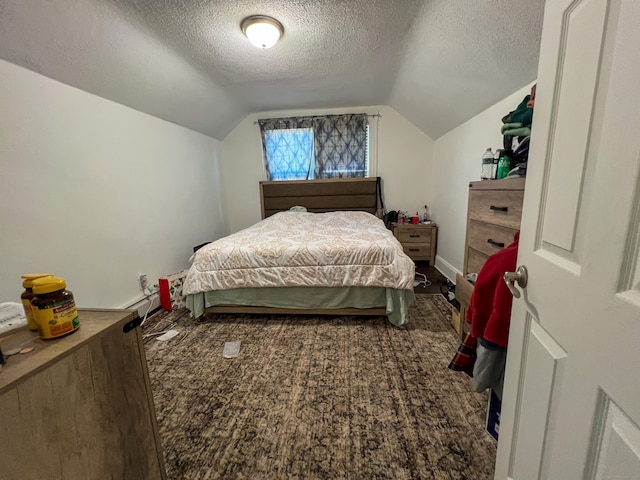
{"x":493,"y":218}
{"x":79,"y":406}
{"x":495,"y":208}
{"x":418,"y":241}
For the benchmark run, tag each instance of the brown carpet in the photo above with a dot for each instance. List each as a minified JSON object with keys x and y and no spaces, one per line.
{"x":317,"y":398}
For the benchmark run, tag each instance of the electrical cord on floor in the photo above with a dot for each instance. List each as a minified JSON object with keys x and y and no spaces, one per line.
{"x":162,"y":331}
{"x":157,"y":329}
{"x":151,"y":293}
{"x":421,"y":280}
{"x":144,"y":319}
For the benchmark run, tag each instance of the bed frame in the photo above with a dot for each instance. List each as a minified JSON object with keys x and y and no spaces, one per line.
{"x":326,"y":195}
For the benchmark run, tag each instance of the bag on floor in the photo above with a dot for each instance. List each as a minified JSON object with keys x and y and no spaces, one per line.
{"x":171,"y":297}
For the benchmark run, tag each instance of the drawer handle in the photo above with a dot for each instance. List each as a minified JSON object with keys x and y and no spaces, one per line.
{"x":127,"y":327}
{"x":494,"y":243}
{"x":414,"y":235}
{"x":414,"y":249}
{"x":499,"y":209}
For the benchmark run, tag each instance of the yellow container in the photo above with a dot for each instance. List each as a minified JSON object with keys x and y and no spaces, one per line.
{"x":27,"y":296}
{"x":54,"y":308}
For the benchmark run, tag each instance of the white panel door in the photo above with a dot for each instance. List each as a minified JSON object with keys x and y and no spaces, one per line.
{"x":571,"y":405}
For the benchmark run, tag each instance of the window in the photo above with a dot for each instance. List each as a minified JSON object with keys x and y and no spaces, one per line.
{"x":315,"y":147}
{"x":290,"y":152}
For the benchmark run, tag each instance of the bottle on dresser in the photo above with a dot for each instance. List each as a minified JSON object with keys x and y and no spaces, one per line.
{"x":487,"y":164}
{"x":425,"y":214}
{"x":504,"y":165}
{"x":496,"y":160}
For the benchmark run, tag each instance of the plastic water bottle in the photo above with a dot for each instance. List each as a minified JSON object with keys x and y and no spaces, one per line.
{"x":496,"y":160}
{"x":487,"y":165}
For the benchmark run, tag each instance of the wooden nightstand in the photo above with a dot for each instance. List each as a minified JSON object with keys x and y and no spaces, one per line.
{"x":418,"y":241}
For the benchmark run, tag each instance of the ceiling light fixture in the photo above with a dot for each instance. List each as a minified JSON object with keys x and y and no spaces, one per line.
{"x":262,"y":31}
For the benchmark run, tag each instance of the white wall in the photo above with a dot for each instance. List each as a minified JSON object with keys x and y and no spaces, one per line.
{"x":457,"y":160}
{"x":400,"y":153}
{"x":97,"y":192}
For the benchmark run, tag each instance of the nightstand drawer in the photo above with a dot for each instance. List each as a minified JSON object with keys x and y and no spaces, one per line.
{"x":417,"y":251}
{"x":417,"y":234}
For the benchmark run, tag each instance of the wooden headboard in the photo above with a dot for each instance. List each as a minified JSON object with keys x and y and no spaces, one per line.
{"x":326,"y":195}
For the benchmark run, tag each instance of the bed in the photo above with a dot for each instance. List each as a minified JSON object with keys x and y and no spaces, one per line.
{"x":336,"y":257}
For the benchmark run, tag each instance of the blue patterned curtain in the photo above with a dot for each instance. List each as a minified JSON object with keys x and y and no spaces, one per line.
{"x":341,"y":145}
{"x":315,"y":147}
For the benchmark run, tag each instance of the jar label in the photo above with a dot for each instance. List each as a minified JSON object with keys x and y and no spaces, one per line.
{"x":57,"y":319}
{"x":28,"y":312}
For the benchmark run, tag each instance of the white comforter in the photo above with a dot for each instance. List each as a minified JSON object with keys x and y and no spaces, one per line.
{"x":300,"y":249}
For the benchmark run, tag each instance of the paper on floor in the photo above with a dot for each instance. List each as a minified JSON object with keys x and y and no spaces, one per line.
{"x":231,"y":349}
{"x":168,"y":335}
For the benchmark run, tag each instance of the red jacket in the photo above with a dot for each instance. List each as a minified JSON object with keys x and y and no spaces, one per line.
{"x":489,"y":311}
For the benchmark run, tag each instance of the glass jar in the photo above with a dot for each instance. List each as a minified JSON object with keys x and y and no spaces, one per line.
{"x":54,"y":308}
{"x":27,"y":296}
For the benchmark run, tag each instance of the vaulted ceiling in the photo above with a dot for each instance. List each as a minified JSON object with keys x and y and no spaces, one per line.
{"x":437,"y":62}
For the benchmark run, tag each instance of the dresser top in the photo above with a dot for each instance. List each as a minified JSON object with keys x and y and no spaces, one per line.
{"x":19,"y":367}
{"x":502,"y":184}
{"x":430,"y":224}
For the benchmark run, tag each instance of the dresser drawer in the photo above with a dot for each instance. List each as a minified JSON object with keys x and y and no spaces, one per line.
{"x":417,"y":251}
{"x":502,"y":208}
{"x":488,"y":238}
{"x":475,"y":260}
{"x":464,"y":289}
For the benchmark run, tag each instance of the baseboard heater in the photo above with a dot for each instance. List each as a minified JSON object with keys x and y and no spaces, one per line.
{"x":142,"y":305}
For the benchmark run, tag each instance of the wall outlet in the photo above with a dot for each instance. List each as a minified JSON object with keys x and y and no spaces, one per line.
{"x":143,"y":281}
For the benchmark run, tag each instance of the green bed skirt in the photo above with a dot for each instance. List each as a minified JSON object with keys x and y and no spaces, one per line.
{"x":396,"y":302}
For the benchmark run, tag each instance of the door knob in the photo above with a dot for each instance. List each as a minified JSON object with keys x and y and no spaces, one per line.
{"x":520,"y":277}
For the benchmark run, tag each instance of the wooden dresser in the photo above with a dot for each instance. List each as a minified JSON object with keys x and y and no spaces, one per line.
{"x":79,"y":407}
{"x":418,"y":241}
{"x":493,"y":218}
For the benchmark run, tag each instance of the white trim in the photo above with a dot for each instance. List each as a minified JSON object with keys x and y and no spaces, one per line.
{"x":446,"y":268}
{"x":142,"y":304}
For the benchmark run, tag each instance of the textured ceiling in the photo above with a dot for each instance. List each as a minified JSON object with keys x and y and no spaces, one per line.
{"x":438,"y":62}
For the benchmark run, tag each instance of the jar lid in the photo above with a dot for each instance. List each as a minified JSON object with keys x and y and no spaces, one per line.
{"x":48,"y":285}
{"x":28,"y":278}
